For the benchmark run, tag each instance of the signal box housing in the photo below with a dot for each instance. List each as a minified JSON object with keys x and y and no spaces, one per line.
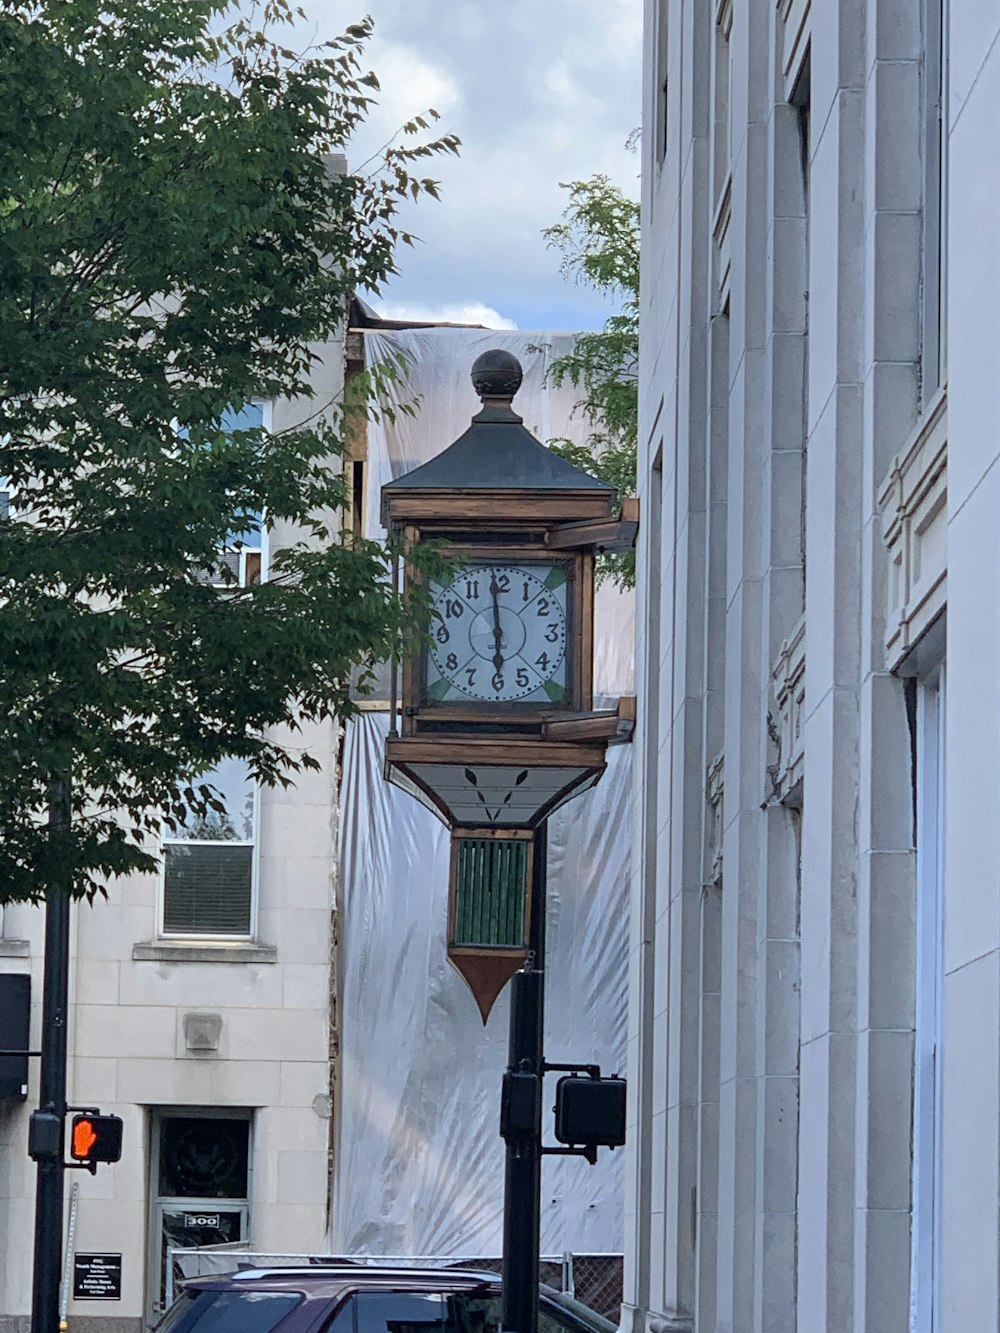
{"x":590,"y":1112}
{"x":95,"y":1138}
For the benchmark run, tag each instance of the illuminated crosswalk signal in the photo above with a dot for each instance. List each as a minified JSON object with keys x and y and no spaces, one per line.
{"x":95,"y":1138}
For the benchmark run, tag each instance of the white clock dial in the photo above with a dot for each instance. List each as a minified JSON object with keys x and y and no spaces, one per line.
{"x":499,"y":635}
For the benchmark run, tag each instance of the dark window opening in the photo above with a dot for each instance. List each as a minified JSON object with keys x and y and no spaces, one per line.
{"x":203,"y":1158}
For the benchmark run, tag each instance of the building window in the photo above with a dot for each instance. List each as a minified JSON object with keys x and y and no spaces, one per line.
{"x":934,"y":349}
{"x":662,"y":89}
{"x":209,"y":862}
{"x":722,"y":117}
{"x":242,"y":560}
{"x":802,"y":101}
{"x":243,"y":554}
{"x":925,"y":1231}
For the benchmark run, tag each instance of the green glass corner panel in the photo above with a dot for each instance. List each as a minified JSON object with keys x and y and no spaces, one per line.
{"x":555,"y":578}
{"x":490,"y":889}
{"x":438,"y":690}
{"x":555,"y":691}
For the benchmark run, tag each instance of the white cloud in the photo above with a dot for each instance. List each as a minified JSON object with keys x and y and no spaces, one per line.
{"x":543,"y":92}
{"x":411,"y":82}
{"x":470,"y":312}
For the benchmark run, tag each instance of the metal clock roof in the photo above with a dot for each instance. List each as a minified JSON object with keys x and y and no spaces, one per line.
{"x":497,"y":453}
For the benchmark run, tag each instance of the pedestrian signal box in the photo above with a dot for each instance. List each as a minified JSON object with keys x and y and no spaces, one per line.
{"x":95,"y":1138}
{"x":590,"y":1111}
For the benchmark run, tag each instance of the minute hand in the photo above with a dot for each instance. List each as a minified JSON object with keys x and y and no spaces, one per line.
{"x":497,"y":630}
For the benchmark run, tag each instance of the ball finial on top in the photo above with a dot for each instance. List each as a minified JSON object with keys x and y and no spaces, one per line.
{"x":496,"y":374}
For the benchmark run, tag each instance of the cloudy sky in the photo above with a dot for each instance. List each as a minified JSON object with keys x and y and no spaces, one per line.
{"x":539,"y":91}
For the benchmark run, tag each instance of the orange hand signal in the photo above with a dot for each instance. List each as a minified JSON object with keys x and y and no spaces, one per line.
{"x":96,"y":1138}
{"x":84,"y":1138}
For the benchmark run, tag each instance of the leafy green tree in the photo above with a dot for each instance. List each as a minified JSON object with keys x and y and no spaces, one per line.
{"x":599,"y":243}
{"x":174,"y":247}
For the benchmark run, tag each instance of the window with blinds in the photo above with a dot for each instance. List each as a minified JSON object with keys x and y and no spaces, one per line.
{"x":208,"y":864}
{"x":208,"y":889}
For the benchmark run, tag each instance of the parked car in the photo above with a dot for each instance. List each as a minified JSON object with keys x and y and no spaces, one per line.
{"x":359,"y":1299}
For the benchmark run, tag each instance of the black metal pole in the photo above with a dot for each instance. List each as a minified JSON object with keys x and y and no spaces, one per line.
{"x":52,"y":1097}
{"x":523,"y":1177}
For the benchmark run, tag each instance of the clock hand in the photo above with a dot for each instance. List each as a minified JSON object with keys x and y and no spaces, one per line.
{"x":497,"y":629}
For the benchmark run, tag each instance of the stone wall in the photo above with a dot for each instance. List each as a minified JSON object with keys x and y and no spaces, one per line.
{"x":816,"y":361}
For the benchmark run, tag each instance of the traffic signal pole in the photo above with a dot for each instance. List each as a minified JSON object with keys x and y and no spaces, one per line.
{"x":52,"y":1097}
{"x":523,"y":1175}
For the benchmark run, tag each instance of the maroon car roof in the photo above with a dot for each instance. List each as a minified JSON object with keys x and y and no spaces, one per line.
{"x":319,"y":1280}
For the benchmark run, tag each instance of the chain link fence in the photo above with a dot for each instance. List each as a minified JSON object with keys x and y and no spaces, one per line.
{"x":593,"y":1279}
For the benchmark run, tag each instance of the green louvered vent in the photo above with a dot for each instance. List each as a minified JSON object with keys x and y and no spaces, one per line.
{"x":490,"y":892}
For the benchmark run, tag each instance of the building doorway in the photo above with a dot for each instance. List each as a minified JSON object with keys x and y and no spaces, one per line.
{"x":200,"y":1190}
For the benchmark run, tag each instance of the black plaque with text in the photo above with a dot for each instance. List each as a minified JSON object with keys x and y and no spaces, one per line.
{"x":97,"y":1277}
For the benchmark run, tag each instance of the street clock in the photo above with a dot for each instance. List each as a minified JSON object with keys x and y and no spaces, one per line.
{"x":492,"y":723}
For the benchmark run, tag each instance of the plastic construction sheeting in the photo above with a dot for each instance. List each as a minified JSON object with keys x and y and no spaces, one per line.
{"x":419,"y":1160}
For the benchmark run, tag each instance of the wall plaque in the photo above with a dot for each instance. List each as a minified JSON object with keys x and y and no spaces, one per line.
{"x":97,"y":1277}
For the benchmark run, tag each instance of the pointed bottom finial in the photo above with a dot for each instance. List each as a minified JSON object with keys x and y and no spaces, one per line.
{"x":486,"y":974}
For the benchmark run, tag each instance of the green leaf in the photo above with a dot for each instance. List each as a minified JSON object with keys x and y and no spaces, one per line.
{"x":599,"y":243}
{"x":174,"y":246}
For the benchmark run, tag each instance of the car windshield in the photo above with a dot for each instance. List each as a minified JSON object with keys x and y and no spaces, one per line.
{"x":473,"y":1313}
{"x":227,"y":1311}
{"x":576,"y":1312}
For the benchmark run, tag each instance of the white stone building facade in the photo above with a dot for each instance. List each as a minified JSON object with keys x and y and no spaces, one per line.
{"x":199,"y":1012}
{"x":815,"y":968}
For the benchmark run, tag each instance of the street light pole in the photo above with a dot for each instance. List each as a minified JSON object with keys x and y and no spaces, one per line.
{"x":523,"y":1176}
{"x":52,"y":1096}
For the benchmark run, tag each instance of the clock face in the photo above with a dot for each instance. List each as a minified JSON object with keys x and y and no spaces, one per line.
{"x":499,"y":635}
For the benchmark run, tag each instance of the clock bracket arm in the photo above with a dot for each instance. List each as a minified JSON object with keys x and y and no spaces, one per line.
{"x":603,"y":536}
{"x":614,"y":725}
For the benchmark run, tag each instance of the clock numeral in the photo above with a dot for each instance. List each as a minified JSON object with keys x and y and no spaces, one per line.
{"x":552,"y":634}
{"x":453,"y":609}
{"x":503,"y":583}
{"x":543,"y":606}
{"x":451,"y":662}
{"x":441,"y":634}
{"x":523,"y":679}
{"x":471,"y":675}
{"x":497,"y":681}
{"x":527,"y":590}
{"x":542,"y":661}
{"x":472,"y":589}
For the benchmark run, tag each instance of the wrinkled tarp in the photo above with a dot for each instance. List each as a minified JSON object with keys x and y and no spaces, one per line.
{"x":419,"y":1160}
